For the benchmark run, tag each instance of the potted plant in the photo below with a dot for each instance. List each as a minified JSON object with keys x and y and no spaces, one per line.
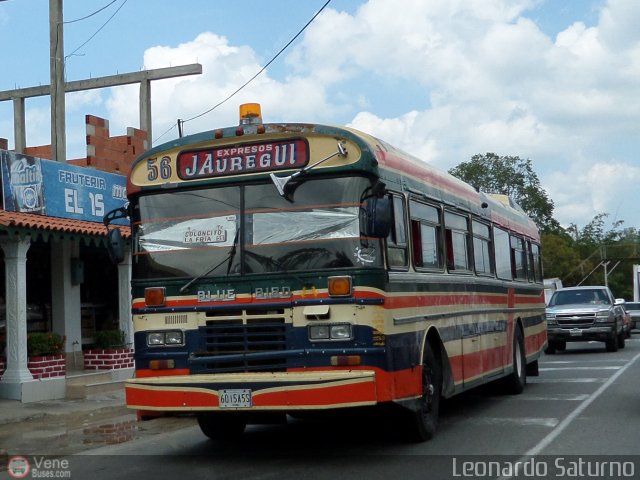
{"x":41,"y":344}
{"x":45,"y":351}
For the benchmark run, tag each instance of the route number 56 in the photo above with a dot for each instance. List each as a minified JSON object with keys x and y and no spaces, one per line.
{"x":157,"y":169}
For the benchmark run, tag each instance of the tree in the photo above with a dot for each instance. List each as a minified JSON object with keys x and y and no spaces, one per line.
{"x":511,"y":176}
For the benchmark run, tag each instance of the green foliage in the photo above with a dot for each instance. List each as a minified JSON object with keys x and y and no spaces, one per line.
{"x":44,"y":343}
{"x":110,"y":338}
{"x":514,"y":177}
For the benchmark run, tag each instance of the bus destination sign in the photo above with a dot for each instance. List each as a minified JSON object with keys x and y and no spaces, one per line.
{"x":249,"y":158}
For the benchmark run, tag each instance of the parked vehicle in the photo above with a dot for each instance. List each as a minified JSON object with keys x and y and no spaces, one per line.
{"x":626,"y":326}
{"x":578,"y":314}
{"x":633,"y":308}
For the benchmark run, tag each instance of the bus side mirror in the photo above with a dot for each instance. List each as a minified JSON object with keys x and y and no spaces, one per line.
{"x":115,"y":246}
{"x":375,"y":217}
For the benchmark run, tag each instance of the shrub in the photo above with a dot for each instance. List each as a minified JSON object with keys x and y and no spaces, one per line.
{"x":110,"y":339}
{"x":44,"y":343}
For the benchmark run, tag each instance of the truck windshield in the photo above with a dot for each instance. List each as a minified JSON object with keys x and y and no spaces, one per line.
{"x":569,"y":297}
{"x":251,"y":229}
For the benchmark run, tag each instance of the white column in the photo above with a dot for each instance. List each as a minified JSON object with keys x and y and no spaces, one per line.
{"x":124,"y":297}
{"x":65,"y":297}
{"x":15,"y":265}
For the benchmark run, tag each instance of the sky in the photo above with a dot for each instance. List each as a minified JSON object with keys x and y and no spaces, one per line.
{"x":553,"y":81}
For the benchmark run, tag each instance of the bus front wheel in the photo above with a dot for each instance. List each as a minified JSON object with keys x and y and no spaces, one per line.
{"x":222,"y":426}
{"x":423,"y":422}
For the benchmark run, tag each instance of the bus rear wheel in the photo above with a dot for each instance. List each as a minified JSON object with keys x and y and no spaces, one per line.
{"x":422,"y":423}
{"x":517,"y":379}
{"x":222,"y":426}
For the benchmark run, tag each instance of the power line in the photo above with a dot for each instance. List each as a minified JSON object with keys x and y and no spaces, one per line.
{"x":103,"y":25}
{"x":263,"y":68}
{"x":182,"y":122}
{"x":92,"y":14}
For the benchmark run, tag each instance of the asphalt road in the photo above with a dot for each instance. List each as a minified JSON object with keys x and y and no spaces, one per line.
{"x":585,"y":404}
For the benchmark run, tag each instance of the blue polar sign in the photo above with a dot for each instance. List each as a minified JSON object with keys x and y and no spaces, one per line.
{"x":55,"y":189}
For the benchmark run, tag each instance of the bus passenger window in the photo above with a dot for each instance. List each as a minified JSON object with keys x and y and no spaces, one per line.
{"x":482,"y":248}
{"x":457,"y":237}
{"x":535,"y":262}
{"x":502,"y":254}
{"x":425,"y":235}
{"x":397,"y":239}
{"x":518,"y":259}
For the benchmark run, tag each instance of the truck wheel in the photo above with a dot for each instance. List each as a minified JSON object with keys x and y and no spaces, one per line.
{"x":551,"y":348}
{"x":561,"y":346}
{"x":222,"y":426}
{"x":517,"y":379}
{"x":612,"y":343}
{"x":421,"y":424}
{"x":621,"y":339}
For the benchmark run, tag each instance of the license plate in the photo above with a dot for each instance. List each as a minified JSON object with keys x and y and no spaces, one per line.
{"x":235,"y":398}
{"x":575,"y":332}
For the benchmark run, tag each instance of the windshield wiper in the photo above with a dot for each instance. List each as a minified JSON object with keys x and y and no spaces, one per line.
{"x":282,"y":182}
{"x":229,"y":257}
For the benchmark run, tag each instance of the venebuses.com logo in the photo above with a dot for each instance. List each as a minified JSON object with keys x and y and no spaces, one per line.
{"x":38,"y":467}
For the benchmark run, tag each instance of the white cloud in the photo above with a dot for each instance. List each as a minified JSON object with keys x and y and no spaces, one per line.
{"x":486,"y":79}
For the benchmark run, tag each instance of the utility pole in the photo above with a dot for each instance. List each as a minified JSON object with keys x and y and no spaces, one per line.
{"x":56,"y":67}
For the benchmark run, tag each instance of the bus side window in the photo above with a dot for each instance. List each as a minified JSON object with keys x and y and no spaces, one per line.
{"x":397,"y":239}
{"x":518,"y":259}
{"x":425,"y":235}
{"x":482,"y":248}
{"x":535,"y":262}
{"x":457,"y":242}
{"x":502,"y":253}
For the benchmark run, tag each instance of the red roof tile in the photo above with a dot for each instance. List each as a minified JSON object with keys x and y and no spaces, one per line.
{"x":54,"y":224}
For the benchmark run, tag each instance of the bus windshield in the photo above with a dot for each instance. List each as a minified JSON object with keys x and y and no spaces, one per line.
{"x":248,"y":229}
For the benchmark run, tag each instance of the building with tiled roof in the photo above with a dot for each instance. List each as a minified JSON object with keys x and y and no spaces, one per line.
{"x":57,"y":278}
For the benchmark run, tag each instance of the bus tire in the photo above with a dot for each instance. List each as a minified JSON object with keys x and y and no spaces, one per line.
{"x":533,"y":369}
{"x":222,"y":426}
{"x":423,"y":422}
{"x":517,"y":379}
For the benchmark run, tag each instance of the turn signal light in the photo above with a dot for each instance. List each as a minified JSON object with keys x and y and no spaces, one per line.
{"x":344,"y":360}
{"x":162,"y":364}
{"x":154,"y":296}
{"x":339,"y":286}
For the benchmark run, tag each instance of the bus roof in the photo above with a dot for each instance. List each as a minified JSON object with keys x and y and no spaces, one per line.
{"x":394,"y":166}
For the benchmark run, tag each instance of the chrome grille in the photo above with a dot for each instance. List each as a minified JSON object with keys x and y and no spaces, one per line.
{"x":579,"y":319}
{"x":253,"y":335}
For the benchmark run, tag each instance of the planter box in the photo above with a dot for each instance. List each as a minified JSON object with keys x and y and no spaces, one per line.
{"x":108,"y":358}
{"x":47,"y":366}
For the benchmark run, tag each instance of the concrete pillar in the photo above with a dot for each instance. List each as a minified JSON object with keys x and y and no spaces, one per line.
{"x":124,"y":297}
{"x":145,"y":108}
{"x":19,"y":126}
{"x":15,"y":264}
{"x":65,"y":297}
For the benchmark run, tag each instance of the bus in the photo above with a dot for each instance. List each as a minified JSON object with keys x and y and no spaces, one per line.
{"x":291,"y":269}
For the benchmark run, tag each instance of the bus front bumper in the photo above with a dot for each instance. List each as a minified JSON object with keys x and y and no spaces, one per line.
{"x":282,"y":391}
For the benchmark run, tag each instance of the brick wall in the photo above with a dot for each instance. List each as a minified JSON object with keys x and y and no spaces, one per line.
{"x":111,"y":154}
{"x":104,"y":152}
{"x":47,"y":366}
{"x":108,"y":359}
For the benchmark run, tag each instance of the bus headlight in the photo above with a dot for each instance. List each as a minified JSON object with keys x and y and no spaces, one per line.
{"x":340,"y":331}
{"x":169,"y":337}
